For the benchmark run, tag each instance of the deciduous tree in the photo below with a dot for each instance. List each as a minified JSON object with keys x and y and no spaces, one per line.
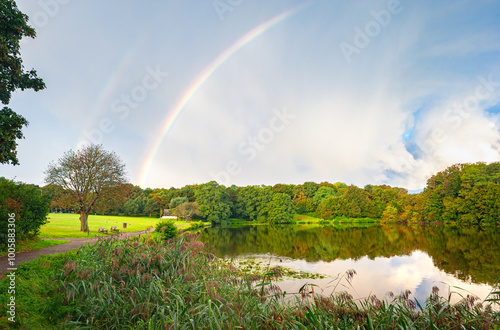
{"x":213,"y":201}
{"x":13,"y":27}
{"x":85,"y":174}
{"x":280,"y":209}
{"x":187,"y":210}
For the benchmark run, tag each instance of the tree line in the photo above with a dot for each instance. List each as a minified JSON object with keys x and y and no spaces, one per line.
{"x":463,"y":193}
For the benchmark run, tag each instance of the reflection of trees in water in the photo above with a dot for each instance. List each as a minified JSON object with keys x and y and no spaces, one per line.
{"x":469,"y":253}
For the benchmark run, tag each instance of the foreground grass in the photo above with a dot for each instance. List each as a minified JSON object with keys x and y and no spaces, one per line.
{"x":35,"y":244}
{"x":147,"y":283}
{"x":62,"y":225}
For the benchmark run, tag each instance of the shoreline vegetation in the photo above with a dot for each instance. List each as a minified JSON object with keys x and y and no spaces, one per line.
{"x":66,"y":225}
{"x":148,"y":282}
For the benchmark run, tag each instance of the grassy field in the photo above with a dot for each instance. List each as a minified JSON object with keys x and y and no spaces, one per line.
{"x":304,"y":218}
{"x":35,"y":244}
{"x":67,"y":225}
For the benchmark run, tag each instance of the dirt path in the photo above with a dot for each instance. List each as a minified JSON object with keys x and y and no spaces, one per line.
{"x":22,"y":257}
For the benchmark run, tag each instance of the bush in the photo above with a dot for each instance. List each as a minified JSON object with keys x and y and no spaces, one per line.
{"x":166,"y":228}
{"x":29,"y":206}
{"x":196,"y":225}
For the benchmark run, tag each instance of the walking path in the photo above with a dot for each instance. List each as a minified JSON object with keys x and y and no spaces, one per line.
{"x":73,"y":243}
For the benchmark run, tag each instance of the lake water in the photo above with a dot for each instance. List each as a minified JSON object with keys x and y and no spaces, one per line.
{"x":386,"y":258}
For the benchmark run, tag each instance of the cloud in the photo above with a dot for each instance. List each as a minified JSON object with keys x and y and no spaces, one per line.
{"x":388,"y":116}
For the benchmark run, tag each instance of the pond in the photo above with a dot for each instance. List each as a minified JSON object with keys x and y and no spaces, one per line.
{"x":461,"y":260}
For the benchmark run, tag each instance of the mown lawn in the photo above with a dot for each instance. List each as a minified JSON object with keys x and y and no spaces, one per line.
{"x":304,"y":218}
{"x":67,"y":225}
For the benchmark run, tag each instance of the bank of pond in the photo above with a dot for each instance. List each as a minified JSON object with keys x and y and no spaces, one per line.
{"x":267,"y":277}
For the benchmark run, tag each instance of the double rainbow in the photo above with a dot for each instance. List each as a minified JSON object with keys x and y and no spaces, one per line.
{"x":198,"y":82}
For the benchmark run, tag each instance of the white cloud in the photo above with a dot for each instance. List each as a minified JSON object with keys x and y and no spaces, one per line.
{"x":351,"y":118}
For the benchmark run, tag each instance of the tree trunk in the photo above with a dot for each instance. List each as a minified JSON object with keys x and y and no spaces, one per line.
{"x":84,"y":223}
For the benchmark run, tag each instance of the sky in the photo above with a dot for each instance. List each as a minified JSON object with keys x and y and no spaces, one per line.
{"x":263,"y":92}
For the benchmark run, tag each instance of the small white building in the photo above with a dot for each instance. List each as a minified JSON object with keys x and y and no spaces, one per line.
{"x":169,"y":217}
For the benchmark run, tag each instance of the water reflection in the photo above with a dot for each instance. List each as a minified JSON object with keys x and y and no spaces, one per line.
{"x":386,"y":258}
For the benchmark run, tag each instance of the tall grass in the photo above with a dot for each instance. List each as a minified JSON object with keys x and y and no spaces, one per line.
{"x":149,"y":283}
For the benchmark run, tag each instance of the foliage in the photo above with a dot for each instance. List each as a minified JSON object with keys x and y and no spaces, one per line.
{"x":85,"y":175}
{"x":177,"y":201}
{"x":248,"y":203}
{"x":134,"y":206}
{"x":284,"y":189}
{"x":356,"y":204}
{"x":13,"y":27}
{"x":463,"y":193}
{"x":187,"y":210}
{"x":166,"y":228}
{"x":28,"y":205}
{"x":10,"y":130}
{"x":196,"y":225}
{"x":390,"y":214}
{"x":281,"y":209}
{"x":324,"y":193}
{"x":36,"y":305}
{"x":329,"y":207}
{"x":150,"y":207}
{"x":304,"y":204}
{"x":213,"y":201}
{"x":303,"y":197}
{"x":140,"y":205}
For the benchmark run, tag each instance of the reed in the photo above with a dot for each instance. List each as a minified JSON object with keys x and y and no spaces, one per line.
{"x":150,"y":283}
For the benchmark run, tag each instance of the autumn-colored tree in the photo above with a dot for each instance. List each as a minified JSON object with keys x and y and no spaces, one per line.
{"x":390,"y":214}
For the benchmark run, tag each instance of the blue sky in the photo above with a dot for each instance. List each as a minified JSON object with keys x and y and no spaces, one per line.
{"x":380,"y":92}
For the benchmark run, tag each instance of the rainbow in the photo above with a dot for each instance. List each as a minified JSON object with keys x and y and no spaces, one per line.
{"x":114,"y":78}
{"x":198,"y":82}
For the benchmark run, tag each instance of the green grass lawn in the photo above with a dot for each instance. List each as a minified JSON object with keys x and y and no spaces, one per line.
{"x":303,"y":218}
{"x":35,"y":244}
{"x":62,"y":225}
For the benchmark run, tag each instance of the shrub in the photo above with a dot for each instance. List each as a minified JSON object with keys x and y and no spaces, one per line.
{"x":166,"y":228}
{"x":195,"y":225}
{"x":27,"y":203}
